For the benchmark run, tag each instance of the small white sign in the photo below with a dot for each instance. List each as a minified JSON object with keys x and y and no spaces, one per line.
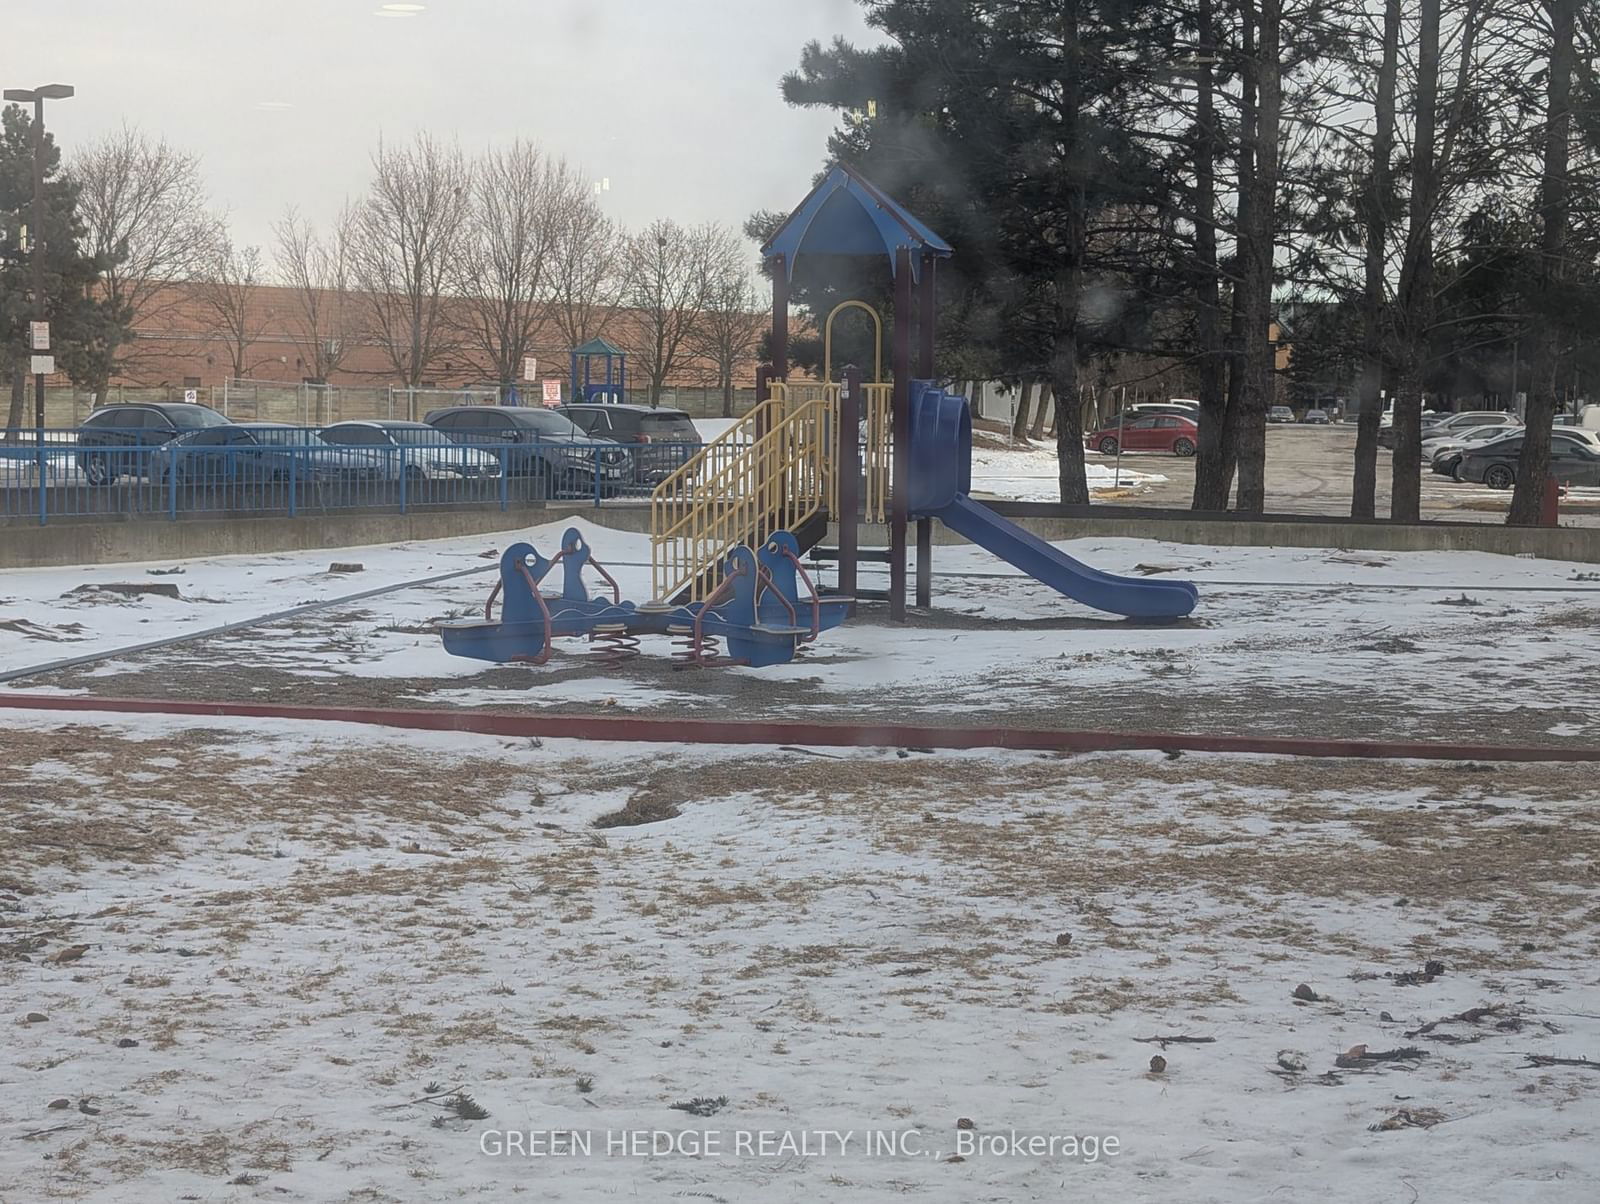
{"x":44,"y":365}
{"x":191,"y":395}
{"x":552,"y":392}
{"x":530,"y":367}
{"x":39,"y":333}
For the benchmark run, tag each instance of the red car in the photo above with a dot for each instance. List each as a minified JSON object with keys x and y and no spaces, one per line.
{"x":1157,"y":432}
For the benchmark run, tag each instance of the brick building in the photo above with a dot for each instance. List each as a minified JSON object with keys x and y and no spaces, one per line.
{"x":184,"y":343}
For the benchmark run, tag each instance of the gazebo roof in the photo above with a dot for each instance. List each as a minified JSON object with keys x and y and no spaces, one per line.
{"x":846,"y":214}
{"x":598,"y":346}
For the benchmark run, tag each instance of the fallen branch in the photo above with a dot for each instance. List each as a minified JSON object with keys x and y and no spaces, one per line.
{"x":1360,"y":1056}
{"x":1547,"y":1060}
{"x":1470,"y":1016}
{"x":1174,"y":1040}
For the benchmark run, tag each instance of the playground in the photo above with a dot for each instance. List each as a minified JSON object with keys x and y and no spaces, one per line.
{"x":335,"y":869}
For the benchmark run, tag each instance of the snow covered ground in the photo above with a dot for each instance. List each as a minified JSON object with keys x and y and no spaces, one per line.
{"x":1291,"y":641}
{"x":1030,"y":473}
{"x":250,"y":960}
{"x":261,"y":960}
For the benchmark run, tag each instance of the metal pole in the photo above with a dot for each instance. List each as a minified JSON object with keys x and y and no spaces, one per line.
{"x":925,"y":332}
{"x":1122,"y":421}
{"x":901,"y":474}
{"x":849,"y":470}
{"x":39,"y":311}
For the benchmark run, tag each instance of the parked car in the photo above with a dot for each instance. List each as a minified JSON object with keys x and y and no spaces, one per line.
{"x":1574,"y":459}
{"x":1156,"y":432}
{"x":1316,"y":417}
{"x":1436,"y":425}
{"x":540,"y":443}
{"x":253,"y":452}
{"x":1448,"y":446}
{"x":660,"y":439}
{"x":1151,"y":409}
{"x":116,"y":440}
{"x":422,"y":451}
{"x":1280,"y":414}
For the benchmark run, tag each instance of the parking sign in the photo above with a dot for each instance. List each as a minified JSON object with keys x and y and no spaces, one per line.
{"x":552,"y":391}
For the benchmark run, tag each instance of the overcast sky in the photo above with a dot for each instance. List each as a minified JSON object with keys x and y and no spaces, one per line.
{"x":676,"y":101}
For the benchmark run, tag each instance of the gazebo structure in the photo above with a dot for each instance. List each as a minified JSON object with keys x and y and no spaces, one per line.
{"x":585,"y":384}
{"x":845,"y":214}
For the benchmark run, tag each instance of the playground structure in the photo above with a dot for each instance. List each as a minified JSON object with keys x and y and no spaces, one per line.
{"x":790,"y":464}
{"x":728,"y":526}
{"x":756,"y":611}
{"x":615,"y":385}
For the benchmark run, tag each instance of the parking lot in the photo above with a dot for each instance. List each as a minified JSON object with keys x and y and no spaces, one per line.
{"x":1309,"y":472}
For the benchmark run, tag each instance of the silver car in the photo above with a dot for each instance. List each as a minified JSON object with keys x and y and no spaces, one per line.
{"x":414,"y":448}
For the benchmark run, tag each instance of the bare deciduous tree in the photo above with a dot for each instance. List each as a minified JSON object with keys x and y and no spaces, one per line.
{"x":586,"y":271}
{"x":671,"y":270}
{"x":316,"y":270}
{"x":226,"y":289}
{"x":522,"y":205}
{"x":143,"y":209}
{"x":405,"y":233}
{"x":731,"y":323}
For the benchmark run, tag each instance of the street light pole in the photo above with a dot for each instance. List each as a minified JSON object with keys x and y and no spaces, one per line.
{"x":38,"y":96}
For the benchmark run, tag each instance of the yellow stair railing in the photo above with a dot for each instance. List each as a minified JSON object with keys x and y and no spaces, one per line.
{"x":774,"y":469}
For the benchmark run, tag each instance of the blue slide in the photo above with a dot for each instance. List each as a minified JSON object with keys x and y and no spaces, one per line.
{"x":941,"y":478}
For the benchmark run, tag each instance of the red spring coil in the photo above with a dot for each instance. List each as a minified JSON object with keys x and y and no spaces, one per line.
{"x":690,"y":655}
{"x":614,"y":645}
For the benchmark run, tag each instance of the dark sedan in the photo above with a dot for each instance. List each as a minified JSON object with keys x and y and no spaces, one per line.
{"x":261,"y":451}
{"x":1574,"y":459}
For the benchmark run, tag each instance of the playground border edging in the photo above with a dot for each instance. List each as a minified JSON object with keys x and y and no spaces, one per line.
{"x":629,"y":728}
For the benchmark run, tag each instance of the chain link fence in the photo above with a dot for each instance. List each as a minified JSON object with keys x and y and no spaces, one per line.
{"x":318,"y":405}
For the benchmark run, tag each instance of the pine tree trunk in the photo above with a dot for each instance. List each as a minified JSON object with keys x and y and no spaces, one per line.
{"x":1416,"y":278}
{"x":1213,"y":474}
{"x":1258,"y":238}
{"x":1041,"y":412}
{"x":1067,"y":358}
{"x":19,"y":401}
{"x":1533,"y":462}
{"x":1363,"y":497}
{"x":1019,"y":421}
{"x":1069,"y":421}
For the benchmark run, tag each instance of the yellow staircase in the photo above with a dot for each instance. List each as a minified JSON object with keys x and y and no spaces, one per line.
{"x":775,"y":469}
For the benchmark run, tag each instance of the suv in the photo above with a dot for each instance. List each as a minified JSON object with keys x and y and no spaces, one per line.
{"x":539,"y":443}
{"x":644,"y":427}
{"x":111,"y":440}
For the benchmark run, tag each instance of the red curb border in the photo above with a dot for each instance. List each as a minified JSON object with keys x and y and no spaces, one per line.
{"x":838,"y":735}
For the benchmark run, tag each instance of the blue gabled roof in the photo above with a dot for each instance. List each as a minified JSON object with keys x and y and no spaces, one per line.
{"x":848,"y":215}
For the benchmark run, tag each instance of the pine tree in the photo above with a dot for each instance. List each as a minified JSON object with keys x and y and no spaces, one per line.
{"x":70,"y":274}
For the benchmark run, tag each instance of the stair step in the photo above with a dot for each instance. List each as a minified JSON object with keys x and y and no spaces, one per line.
{"x":865,"y":555}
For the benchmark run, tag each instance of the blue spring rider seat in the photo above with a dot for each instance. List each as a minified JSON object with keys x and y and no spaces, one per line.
{"x":757,"y":612}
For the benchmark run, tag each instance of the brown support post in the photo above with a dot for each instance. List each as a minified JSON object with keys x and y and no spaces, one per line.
{"x":926,"y":325}
{"x":849,"y":470}
{"x":780,"y":318}
{"x":901,"y":474}
{"x":924,"y":563}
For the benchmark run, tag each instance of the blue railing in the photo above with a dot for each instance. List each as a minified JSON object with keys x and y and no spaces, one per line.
{"x":73,"y":474}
